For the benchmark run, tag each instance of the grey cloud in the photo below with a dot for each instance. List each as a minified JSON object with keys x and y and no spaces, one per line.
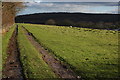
{"x":61,"y":0}
{"x":115,"y":11}
{"x":67,"y":6}
{"x":79,"y":3}
{"x":70,"y":7}
{"x":80,"y":0}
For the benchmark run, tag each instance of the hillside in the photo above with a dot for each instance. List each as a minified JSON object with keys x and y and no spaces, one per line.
{"x":74,"y":19}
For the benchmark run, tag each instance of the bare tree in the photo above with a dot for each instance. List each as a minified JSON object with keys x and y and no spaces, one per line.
{"x":9,"y":11}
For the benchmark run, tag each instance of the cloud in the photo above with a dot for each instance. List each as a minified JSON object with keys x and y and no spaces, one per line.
{"x":114,"y":11}
{"x":80,"y":0}
{"x":84,"y":7}
{"x":60,"y":7}
{"x":60,"y":0}
{"x":100,"y":3}
{"x":79,"y":3}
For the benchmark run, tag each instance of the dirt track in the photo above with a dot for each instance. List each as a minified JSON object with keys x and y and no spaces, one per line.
{"x":13,"y":68}
{"x":59,"y":68}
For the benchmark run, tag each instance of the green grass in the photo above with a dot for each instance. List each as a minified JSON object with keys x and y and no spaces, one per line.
{"x":4,"y":44}
{"x":0,"y":54}
{"x":33,"y":64}
{"x":91,"y":53}
{"x":5,"y":41}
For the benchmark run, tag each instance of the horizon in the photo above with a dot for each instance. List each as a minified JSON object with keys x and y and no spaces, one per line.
{"x":69,"y":13}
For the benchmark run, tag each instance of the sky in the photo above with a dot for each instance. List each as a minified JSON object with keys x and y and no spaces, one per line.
{"x":61,"y":0}
{"x":46,"y":6}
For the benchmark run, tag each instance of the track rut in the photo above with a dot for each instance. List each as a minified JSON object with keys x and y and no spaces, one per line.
{"x":59,"y":68}
{"x":13,"y":67}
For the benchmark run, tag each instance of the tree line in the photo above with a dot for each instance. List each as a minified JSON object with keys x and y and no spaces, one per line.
{"x":86,"y":20}
{"x":85,"y":24}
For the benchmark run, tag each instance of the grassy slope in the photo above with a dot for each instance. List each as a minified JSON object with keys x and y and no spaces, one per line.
{"x":0,"y":53}
{"x":5,"y":41}
{"x":34,"y":66}
{"x":90,"y":53}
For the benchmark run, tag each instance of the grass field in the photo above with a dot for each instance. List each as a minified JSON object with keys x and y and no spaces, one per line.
{"x":0,"y":53}
{"x":33,"y":65}
{"x":4,"y":44}
{"x":5,"y":41}
{"x":91,"y":53}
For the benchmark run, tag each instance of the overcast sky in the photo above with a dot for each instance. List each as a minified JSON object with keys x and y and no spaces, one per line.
{"x":83,"y":7}
{"x":91,"y":6}
{"x":62,"y":0}
{"x":76,"y":0}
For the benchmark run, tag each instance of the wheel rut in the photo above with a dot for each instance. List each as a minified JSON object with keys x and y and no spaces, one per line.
{"x":58,"y":68}
{"x":13,"y":67}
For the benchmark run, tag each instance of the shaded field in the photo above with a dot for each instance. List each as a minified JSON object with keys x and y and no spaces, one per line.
{"x":91,"y":53}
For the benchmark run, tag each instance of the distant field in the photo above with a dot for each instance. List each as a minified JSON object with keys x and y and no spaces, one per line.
{"x":91,"y":53}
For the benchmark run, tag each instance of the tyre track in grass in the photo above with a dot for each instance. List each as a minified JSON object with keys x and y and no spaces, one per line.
{"x":13,"y":67}
{"x":58,"y":68}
